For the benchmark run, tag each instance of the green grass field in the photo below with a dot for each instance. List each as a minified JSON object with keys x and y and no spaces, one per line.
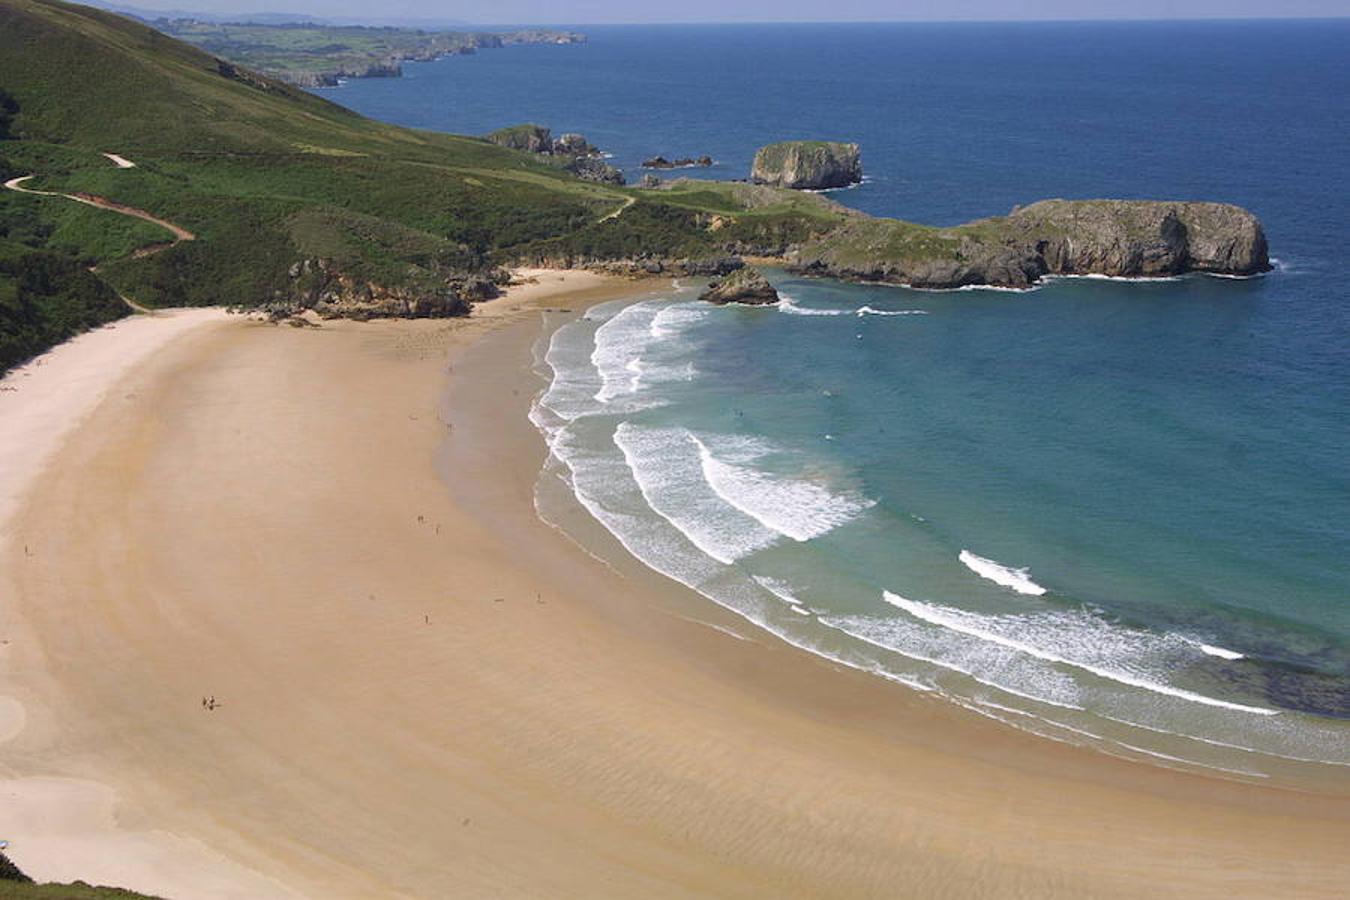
{"x":268,"y":175}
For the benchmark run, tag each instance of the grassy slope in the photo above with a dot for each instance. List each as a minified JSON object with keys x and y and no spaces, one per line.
{"x":249,"y":164}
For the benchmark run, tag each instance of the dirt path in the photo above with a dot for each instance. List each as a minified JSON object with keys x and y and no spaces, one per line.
{"x":618,"y":212}
{"x":179,"y":233}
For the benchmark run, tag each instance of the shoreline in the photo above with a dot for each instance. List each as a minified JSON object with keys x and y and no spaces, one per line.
{"x":431,"y":692}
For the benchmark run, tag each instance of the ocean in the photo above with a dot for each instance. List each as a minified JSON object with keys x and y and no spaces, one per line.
{"x":1111,"y":513}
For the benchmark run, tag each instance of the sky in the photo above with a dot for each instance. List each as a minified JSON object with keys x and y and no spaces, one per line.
{"x":635,"y":11}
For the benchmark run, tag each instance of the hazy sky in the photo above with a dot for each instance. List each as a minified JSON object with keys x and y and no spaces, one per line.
{"x":602,"y":11}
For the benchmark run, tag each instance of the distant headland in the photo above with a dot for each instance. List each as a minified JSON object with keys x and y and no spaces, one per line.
{"x":316,"y":55}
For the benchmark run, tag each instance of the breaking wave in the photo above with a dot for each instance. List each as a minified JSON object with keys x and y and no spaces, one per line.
{"x":1008,"y":577}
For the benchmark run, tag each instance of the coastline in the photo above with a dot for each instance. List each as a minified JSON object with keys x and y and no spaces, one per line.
{"x":431,"y":692}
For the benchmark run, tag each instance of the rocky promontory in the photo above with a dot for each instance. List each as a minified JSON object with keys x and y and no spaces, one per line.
{"x":745,"y":285}
{"x":807,"y":165}
{"x":571,"y":151}
{"x":1122,"y":238}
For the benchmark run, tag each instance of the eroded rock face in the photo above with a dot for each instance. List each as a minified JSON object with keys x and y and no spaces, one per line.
{"x":807,"y":165}
{"x":1136,"y":238}
{"x":321,"y":286}
{"x":572,"y":151}
{"x":527,"y":138}
{"x":745,"y":285}
{"x":1122,"y":238}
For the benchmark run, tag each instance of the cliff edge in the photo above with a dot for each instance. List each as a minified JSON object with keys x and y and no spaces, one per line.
{"x":807,"y":165}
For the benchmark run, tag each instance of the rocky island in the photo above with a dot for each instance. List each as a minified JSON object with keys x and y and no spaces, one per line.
{"x":807,"y":165}
{"x":746,"y":286}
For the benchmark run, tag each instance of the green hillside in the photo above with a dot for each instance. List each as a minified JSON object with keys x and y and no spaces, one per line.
{"x":268,"y":176}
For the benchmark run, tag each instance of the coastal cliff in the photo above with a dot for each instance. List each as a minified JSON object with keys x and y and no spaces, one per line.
{"x":807,"y":165}
{"x":1121,"y":238}
{"x":310,"y":54}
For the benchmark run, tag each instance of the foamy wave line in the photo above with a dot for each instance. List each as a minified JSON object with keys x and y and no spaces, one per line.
{"x":782,"y":591}
{"x":1127,"y":279}
{"x":790,"y":306}
{"x":1220,"y":652}
{"x":800,"y":510}
{"x":672,"y":484}
{"x":1190,"y":762}
{"x":870,"y":311}
{"x":971,"y":624}
{"x":1227,"y":745}
{"x":1008,"y":577}
{"x":865,"y":629}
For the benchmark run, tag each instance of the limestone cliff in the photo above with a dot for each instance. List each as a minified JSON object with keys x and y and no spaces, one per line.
{"x":807,"y":165}
{"x":1126,"y":238}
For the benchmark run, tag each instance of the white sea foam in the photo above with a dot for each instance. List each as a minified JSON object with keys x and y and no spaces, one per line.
{"x":870,"y":311}
{"x":1008,"y":577}
{"x":671,"y":320}
{"x":1081,"y":640}
{"x":790,"y":306}
{"x":1220,"y":652}
{"x":666,"y":466}
{"x":629,"y":349}
{"x":796,"y":508}
{"x":1128,"y":279}
{"x":991,"y":665}
{"x":619,"y":343}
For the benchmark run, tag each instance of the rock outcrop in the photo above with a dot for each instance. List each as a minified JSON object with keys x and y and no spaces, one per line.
{"x":683,"y":162}
{"x":526,"y":138}
{"x":1122,"y":238}
{"x":590,"y":168}
{"x":324,"y":287}
{"x":572,"y":151}
{"x":745,"y":285}
{"x":807,"y":165}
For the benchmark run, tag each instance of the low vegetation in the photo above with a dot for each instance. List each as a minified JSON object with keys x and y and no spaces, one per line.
{"x":15,"y":885}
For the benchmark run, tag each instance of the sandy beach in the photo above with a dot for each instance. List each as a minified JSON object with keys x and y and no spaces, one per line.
{"x":425,"y":691}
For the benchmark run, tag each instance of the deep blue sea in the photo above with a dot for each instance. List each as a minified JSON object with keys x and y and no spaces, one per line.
{"x":1110,"y":513}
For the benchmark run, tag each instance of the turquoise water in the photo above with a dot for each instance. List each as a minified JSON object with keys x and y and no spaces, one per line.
{"x":1111,"y":513}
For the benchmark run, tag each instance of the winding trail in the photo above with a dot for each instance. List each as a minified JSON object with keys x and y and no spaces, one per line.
{"x":629,"y":201}
{"x":179,"y":233}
